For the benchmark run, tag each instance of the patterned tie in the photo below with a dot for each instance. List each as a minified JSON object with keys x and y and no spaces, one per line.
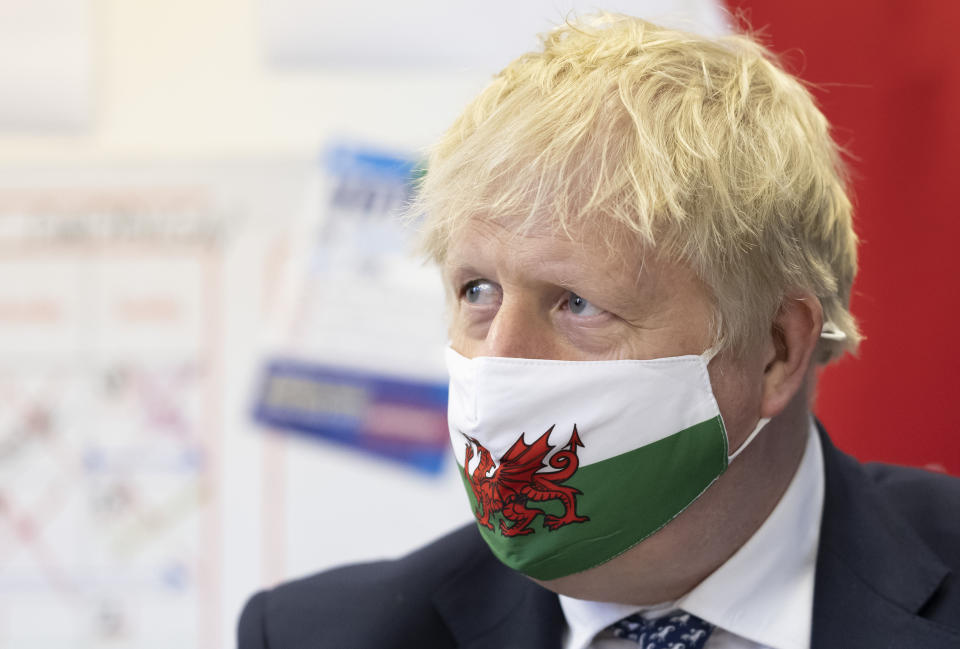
{"x":677,"y":630}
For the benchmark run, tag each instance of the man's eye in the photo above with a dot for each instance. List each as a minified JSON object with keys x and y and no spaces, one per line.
{"x":480,"y":291}
{"x":579,"y":306}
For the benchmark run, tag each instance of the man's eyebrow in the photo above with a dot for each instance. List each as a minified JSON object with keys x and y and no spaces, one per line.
{"x":611,"y":289}
{"x":458,"y":270}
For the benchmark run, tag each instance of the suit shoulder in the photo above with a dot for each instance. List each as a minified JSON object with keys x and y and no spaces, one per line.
{"x":382,"y":603}
{"x":929,"y":501}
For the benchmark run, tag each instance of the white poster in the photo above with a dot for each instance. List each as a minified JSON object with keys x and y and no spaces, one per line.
{"x":140,"y":503}
{"x":46,"y":65}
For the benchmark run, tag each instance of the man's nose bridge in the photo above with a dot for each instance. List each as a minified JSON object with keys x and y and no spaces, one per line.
{"x":514,"y":331}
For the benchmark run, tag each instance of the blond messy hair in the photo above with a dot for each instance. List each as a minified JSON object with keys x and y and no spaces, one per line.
{"x":704,"y":150}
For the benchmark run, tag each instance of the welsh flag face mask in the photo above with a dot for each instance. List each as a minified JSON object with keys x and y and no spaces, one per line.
{"x":568,"y":464}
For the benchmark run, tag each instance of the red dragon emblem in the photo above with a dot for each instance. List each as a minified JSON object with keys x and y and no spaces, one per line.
{"x":518,"y":479}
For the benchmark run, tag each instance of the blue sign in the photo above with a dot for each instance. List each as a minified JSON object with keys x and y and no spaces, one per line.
{"x":397,"y":418}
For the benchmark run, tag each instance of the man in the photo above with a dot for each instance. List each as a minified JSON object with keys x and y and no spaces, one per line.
{"x":648,"y":250}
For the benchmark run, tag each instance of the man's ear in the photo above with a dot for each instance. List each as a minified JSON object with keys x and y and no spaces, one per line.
{"x":795,"y":333}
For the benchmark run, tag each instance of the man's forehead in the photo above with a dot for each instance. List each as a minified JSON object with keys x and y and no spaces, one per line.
{"x":584,"y":257}
{"x":542,"y":237}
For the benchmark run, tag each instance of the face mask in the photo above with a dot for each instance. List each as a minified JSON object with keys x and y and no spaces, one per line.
{"x":568,"y":464}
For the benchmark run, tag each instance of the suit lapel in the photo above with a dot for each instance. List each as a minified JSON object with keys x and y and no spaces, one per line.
{"x":873,"y":572}
{"x":489,"y":606}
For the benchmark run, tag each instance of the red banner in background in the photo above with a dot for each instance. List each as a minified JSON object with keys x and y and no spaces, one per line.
{"x":887,"y":75}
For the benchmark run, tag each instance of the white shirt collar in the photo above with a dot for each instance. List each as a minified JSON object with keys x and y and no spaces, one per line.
{"x":764,"y":592}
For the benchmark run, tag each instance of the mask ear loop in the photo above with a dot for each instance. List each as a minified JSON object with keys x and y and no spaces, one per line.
{"x":760,"y":424}
{"x":830,"y":331}
{"x":708,"y":356}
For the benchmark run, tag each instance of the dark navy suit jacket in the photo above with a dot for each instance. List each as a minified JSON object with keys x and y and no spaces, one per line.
{"x":887,"y":577}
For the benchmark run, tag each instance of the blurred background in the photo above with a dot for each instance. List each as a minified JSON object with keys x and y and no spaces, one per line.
{"x":219,"y":366}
